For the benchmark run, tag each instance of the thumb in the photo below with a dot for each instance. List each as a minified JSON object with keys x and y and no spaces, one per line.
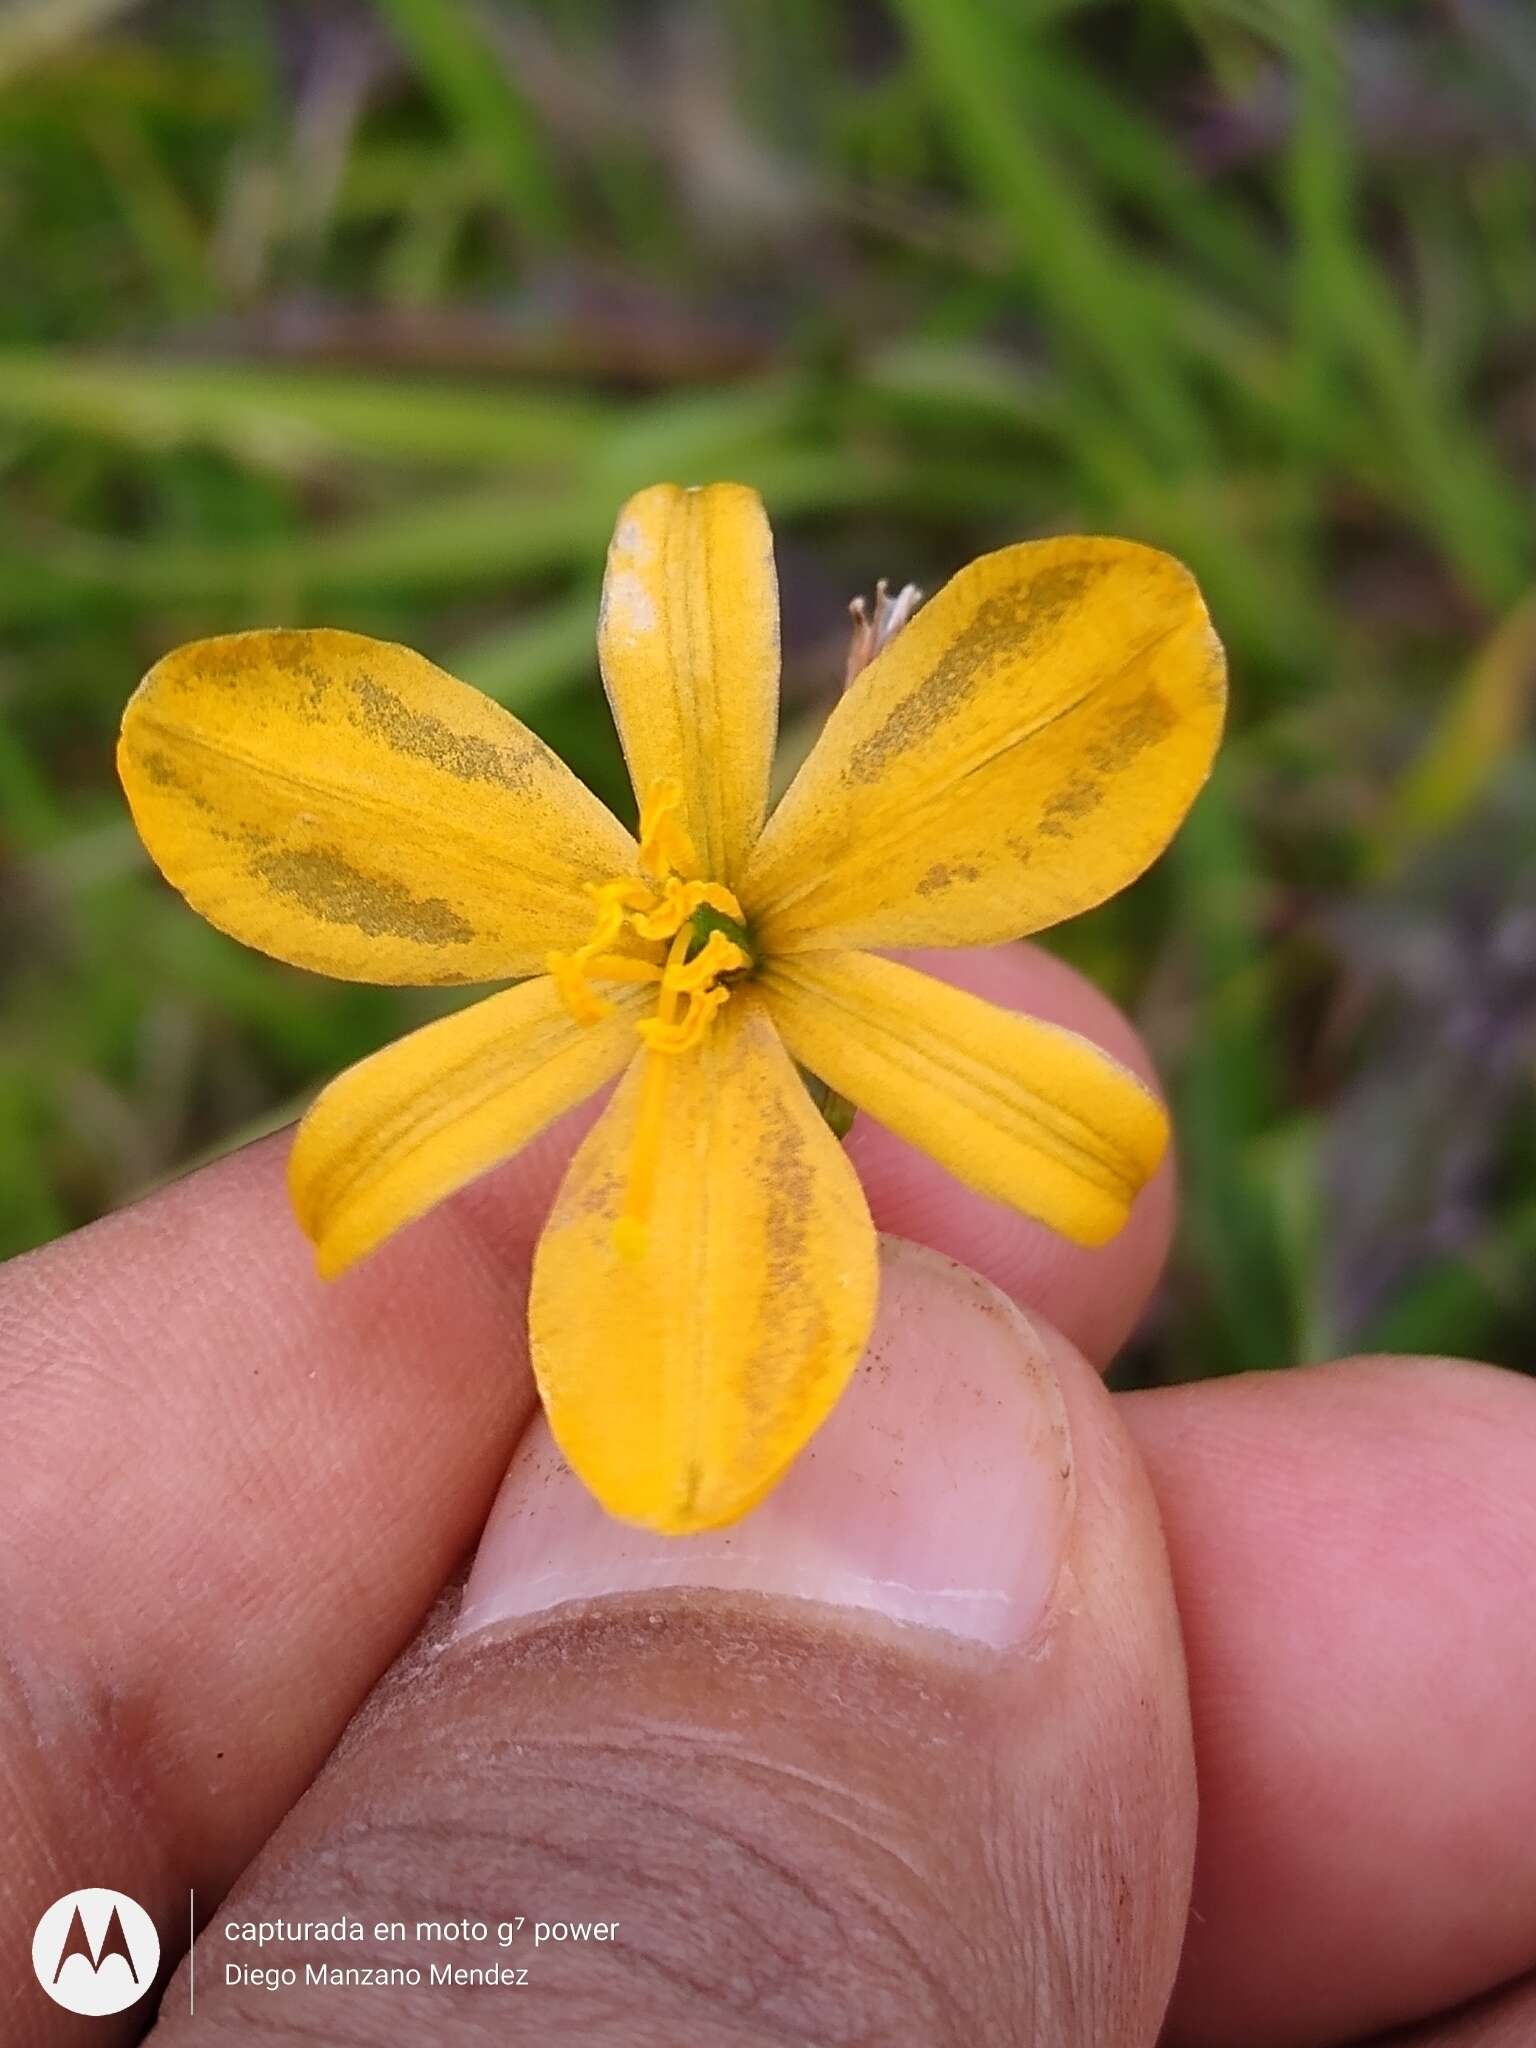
{"x":903,"y":1757}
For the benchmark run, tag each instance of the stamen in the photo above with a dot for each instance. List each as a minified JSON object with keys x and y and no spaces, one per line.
{"x":705,"y":933}
{"x":685,"y":1034}
{"x":715,"y":896}
{"x":665,"y":847}
{"x":872,"y":633}
{"x":677,"y":955}
{"x":679,"y":901}
{"x":629,"y":1233}
{"x":574,"y":973}
{"x":718,"y":955}
{"x":569,"y":973}
{"x":632,"y":1230}
{"x":614,"y":900}
{"x":620,"y":967}
{"x":663,"y":919}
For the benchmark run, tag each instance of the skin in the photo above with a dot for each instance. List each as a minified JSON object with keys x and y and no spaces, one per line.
{"x":231,"y":1499}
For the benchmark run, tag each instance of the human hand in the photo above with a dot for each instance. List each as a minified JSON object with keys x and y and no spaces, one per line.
{"x":905,"y":1757}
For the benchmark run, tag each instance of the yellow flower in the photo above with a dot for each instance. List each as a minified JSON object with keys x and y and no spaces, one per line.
{"x":1018,"y":752}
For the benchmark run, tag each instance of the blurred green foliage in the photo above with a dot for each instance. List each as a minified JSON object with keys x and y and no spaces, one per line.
{"x":372,"y":315}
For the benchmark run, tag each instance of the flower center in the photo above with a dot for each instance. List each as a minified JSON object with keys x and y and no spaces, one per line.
{"x":686,"y":936}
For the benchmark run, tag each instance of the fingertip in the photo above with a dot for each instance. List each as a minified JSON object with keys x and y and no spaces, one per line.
{"x":1353,"y":1546}
{"x":927,"y":1700}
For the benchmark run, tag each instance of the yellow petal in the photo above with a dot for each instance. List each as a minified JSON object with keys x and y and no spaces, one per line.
{"x":689,"y":642}
{"x":1028,"y":1113}
{"x":680,"y":1379}
{"x":342,"y":804}
{"x":1018,"y":753}
{"x":402,"y":1130}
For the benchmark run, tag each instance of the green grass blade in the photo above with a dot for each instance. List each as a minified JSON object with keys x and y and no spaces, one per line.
{"x":296,"y":419}
{"x":1103,"y":299}
{"x":463,"y":69}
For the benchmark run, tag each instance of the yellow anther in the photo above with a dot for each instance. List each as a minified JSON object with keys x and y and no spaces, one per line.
{"x":665,"y":848}
{"x":717,"y":897}
{"x":665,"y":918}
{"x":610,"y":923}
{"x":628,"y":892}
{"x":569,"y":972}
{"x":615,"y":901}
{"x":685,"y":1033}
{"x":618,"y":903}
{"x":679,"y":900}
{"x":622,"y":967}
{"x":717,"y":955}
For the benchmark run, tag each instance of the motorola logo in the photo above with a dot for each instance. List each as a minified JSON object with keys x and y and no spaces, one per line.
{"x":95,"y":1951}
